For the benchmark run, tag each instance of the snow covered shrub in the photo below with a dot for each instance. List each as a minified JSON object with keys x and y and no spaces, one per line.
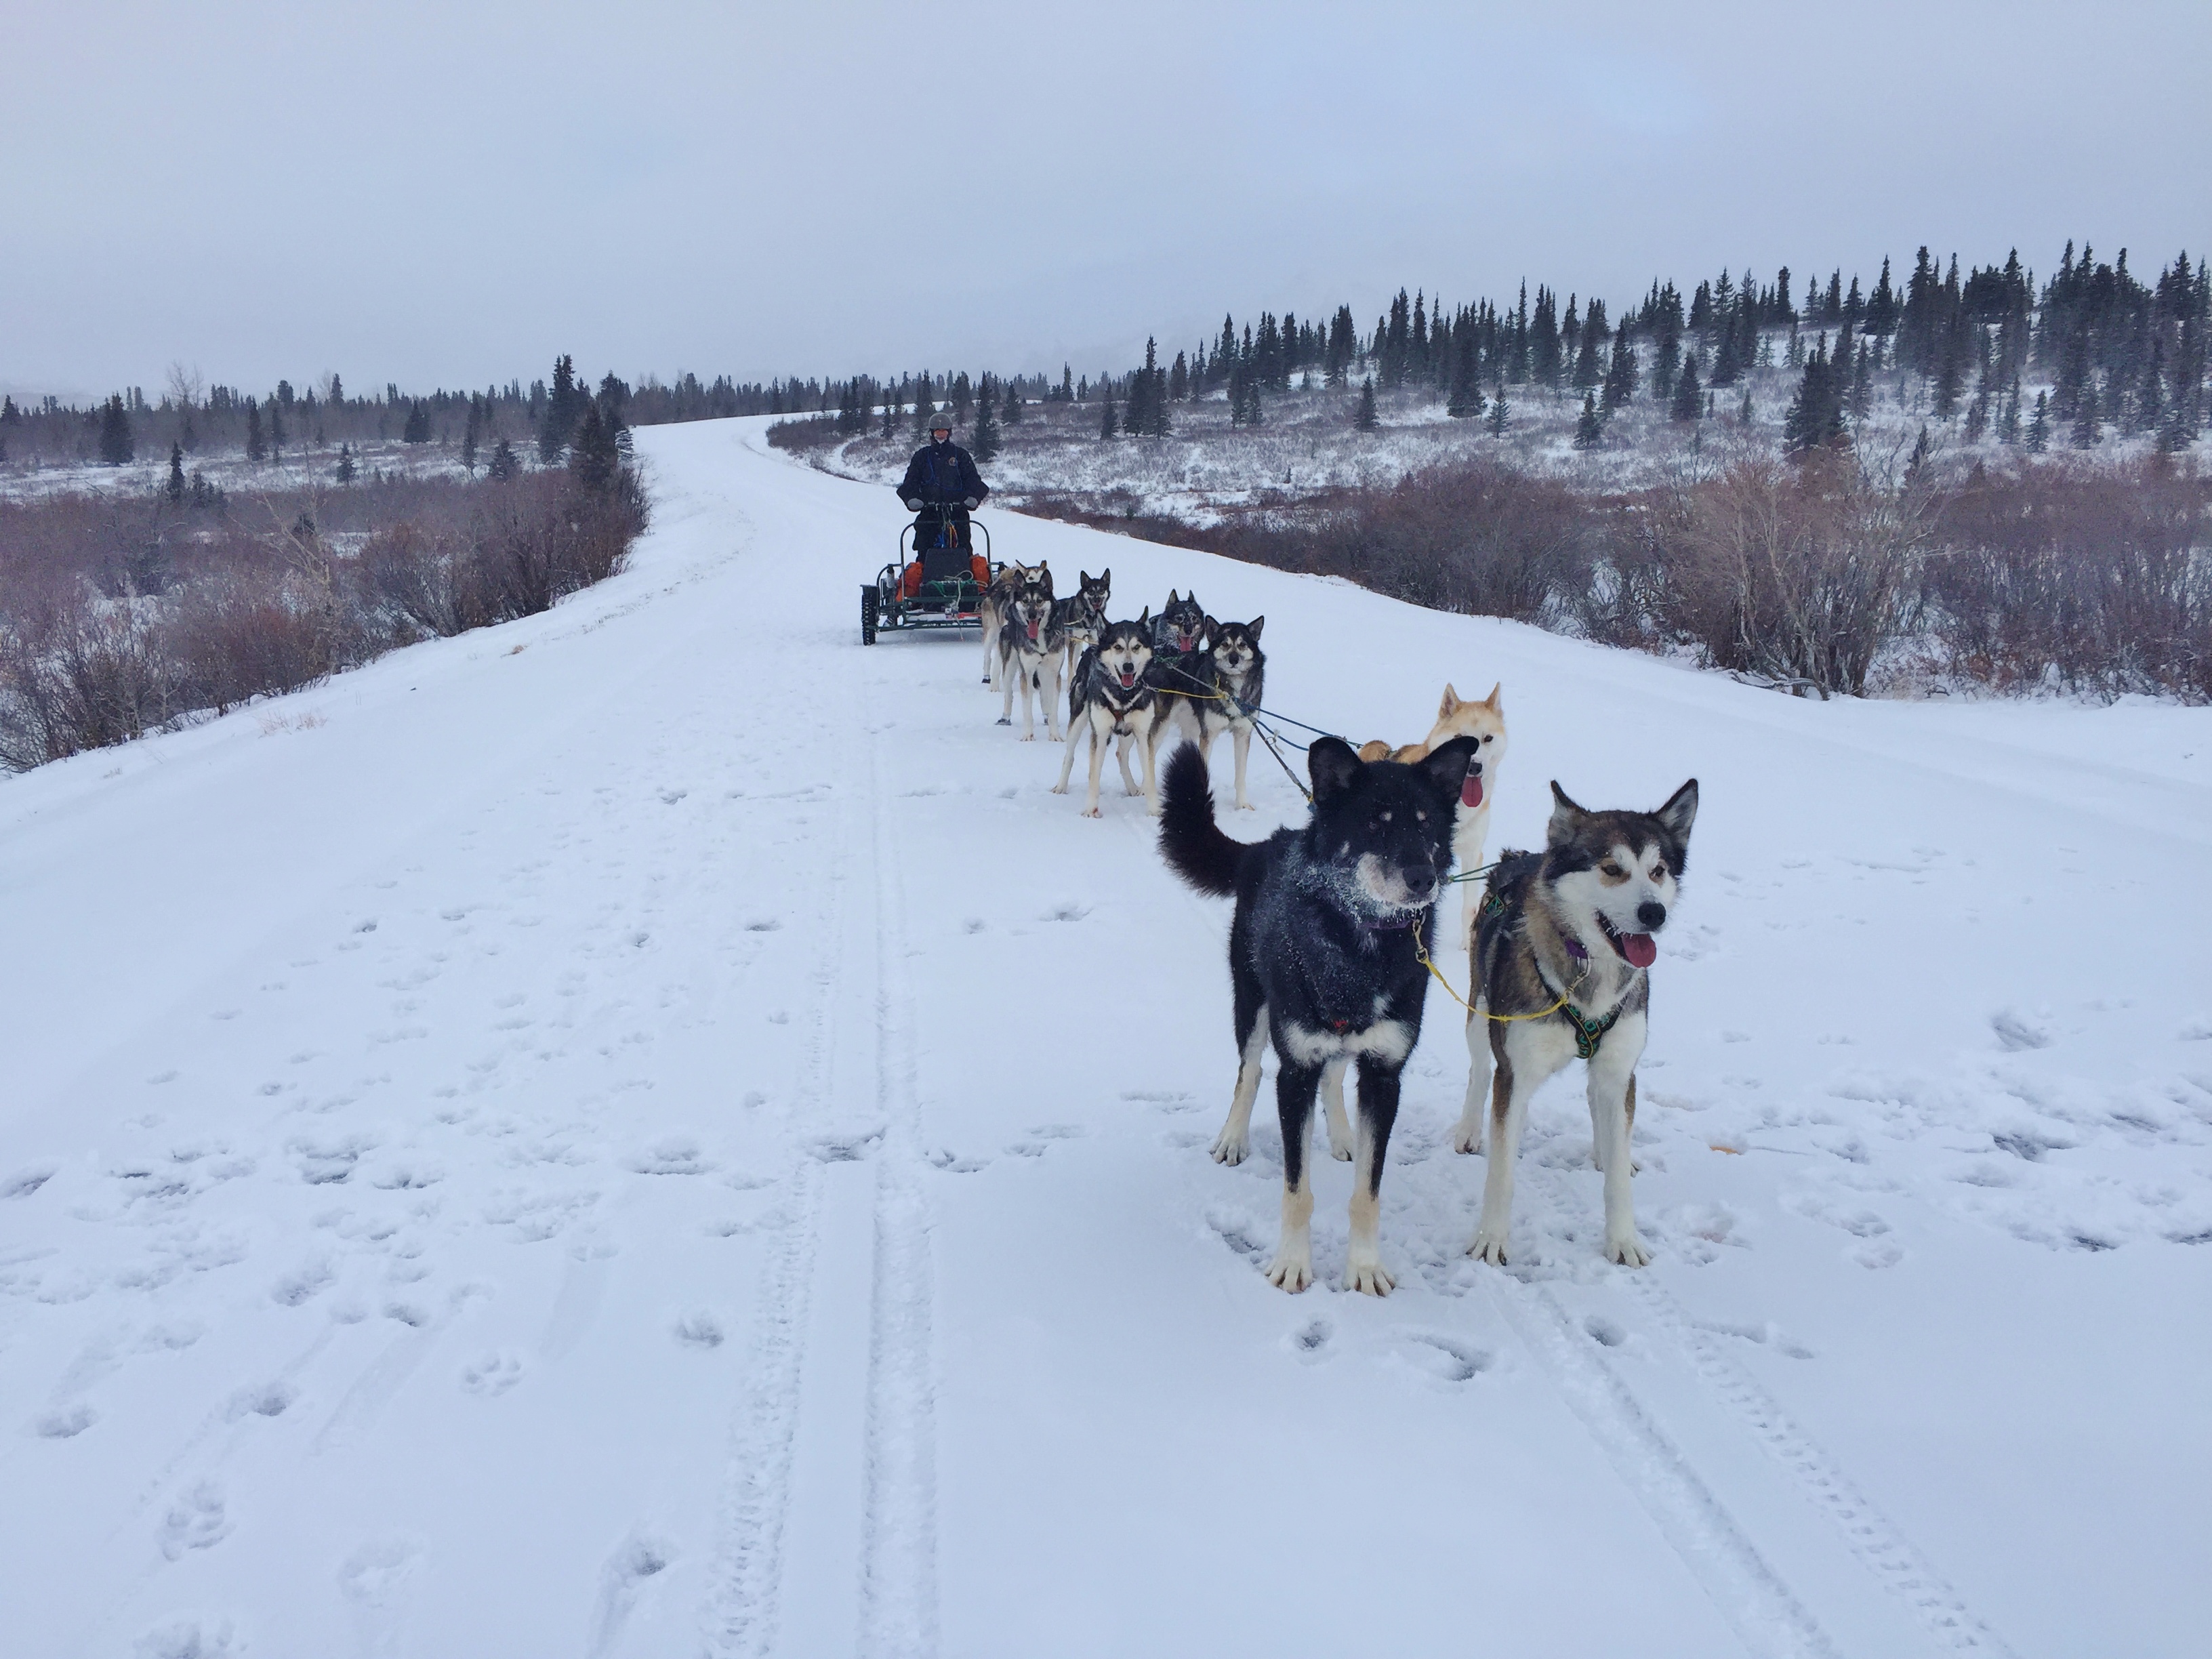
{"x":78,"y":680}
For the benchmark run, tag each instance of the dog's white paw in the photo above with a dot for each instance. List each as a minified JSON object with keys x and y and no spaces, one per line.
{"x":1090,"y":811}
{"x":1292,"y":1273}
{"x":1059,"y":789}
{"x":1153,"y":811}
{"x":1246,"y":806}
{"x":1002,"y":722}
{"x":1230,"y":1149}
{"x":1488,"y":1247}
{"x":1028,"y":736}
{"x":1628,"y":1250}
{"x":1467,"y":1135}
{"x":1369,"y":1278}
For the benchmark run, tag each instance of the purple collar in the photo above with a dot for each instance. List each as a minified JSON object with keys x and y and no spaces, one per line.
{"x":1575,"y":949}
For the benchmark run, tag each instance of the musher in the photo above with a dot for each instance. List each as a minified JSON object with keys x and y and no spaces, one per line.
{"x":941,"y":487}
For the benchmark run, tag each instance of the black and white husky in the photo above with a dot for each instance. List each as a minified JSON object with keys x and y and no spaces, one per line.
{"x":1562,"y":951}
{"x":1111,"y":697}
{"x":1322,"y":959}
{"x":1029,"y":655}
{"x":1214,"y":689}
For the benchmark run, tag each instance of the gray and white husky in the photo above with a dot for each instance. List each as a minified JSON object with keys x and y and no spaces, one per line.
{"x":1029,"y":655}
{"x":1563,"y":948}
{"x":1082,"y":615}
{"x":1111,"y":697}
{"x":1212,"y":689}
{"x":997,"y":599}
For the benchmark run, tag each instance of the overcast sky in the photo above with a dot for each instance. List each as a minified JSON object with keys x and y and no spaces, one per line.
{"x":451,"y":193}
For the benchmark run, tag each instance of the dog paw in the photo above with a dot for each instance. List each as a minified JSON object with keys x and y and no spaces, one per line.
{"x":1467,"y":1135}
{"x":1369,"y":1278}
{"x":1059,"y":789}
{"x":1291,"y":1273}
{"x":1091,"y":813}
{"x":1628,"y":1250}
{"x":1230,"y":1149}
{"x":1488,"y":1247}
{"x":1028,"y":736}
{"x":1003,"y":722}
{"x":1246,"y":806}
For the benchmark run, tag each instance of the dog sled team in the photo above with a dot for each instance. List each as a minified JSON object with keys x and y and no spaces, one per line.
{"x":1330,"y":946}
{"x":1331,"y":942}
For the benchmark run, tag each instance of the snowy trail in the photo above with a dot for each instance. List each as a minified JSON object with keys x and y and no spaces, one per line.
{"x":649,"y":1131}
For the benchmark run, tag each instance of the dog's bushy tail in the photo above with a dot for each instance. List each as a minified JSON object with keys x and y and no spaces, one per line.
{"x":1190,"y":841}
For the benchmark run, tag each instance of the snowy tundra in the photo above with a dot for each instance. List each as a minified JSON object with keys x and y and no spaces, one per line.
{"x":649,"y":1130}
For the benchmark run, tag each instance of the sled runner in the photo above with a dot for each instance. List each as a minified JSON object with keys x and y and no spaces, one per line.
{"x":933,"y":583}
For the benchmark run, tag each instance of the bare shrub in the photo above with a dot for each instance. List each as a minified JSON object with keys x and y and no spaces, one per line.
{"x":79,"y":679}
{"x":2096,"y":579}
{"x":799,"y":437}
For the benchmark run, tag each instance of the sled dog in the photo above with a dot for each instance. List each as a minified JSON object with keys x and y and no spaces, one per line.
{"x":1082,"y":614}
{"x":992,"y":611}
{"x":1485,"y":721}
{"x":1180,"y":625}
{"x":1322,"y":961}
{"x":1029,"y":655}
{"x":1214,"y":689}
{"x":1563,"y":948}
{"x":1111,"y":696}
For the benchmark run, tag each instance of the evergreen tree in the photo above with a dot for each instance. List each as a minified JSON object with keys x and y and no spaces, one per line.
{"x":1744,"y":411}
{"x":559,"y":422}
{"x":1465,"y":399}
{"x":983,"y":442}
{"x":1108,"y":426}
{"x":1689,"y":397}
{"x":963,"y":397}
{"x":257,"y":448}
{"x":1365,"y":419}
{"x":175,"y":488}
{"x":923,"y":408}
{"x":275,"y":431}
{"x":1012,"y":414}
{"x":346,"y":468}
{"x":471,"y":433}
{"x":2008,"y":419}
{"x":1916,"y":466}
{"x":1179,"y":380}
{"x":2088,"y":426}
{"x":1499,"y":415}
{"x":594,"y":459}
{"x":890,"y":415}
{"x":1590,"y":369}
{"x":417,"y":429}
{"x":1590,"y":430}
{"x":505,"y":464}
{"x":2039,"y":427}
{"x":1620,"y":372}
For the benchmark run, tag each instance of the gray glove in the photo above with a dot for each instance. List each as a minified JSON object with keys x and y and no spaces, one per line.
{"x":915,"y":506}
{"x":970,"y":503}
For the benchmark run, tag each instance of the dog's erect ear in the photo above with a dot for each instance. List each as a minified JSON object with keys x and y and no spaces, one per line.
{"x":1680,"y":811}
{"x":1332,"y":764}
{"x":1446,"y":764}
{"x":1145,"y":617}
{"x":1171,"y":596}
{"x":1450,"y":706}
{"x":1490,"y":701}
{"x":1253,"y":627}
{"x":1082,"y":576}
{"x":1106,"y":577}
{"x":1566,"y":816}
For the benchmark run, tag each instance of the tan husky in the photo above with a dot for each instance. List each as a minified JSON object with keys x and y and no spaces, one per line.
{"x":1484,"y":722}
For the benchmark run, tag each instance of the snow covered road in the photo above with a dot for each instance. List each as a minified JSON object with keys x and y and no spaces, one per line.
{"x":647,"y":1131}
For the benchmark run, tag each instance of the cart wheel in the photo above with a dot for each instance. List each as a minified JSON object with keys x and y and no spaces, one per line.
{"x":867,"y":616}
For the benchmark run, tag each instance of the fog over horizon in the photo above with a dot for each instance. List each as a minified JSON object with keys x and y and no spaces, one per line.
{"x":430,"y":196}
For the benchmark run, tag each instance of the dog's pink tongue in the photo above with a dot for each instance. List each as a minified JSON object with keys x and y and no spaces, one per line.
{"x":1470,"y":793}
{"x":1641,"y":948}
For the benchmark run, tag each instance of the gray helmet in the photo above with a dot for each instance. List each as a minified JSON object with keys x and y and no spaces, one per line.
{"x":941,"y":422}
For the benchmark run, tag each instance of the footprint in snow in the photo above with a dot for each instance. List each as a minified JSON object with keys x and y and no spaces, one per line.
{"x":493,"y":1374}
{"x":945,"y":1158}
{"x":1067,"y":910}
{"x":1311,"y":1341}
{"x":1445,"y":1358}
{"x":25,"y":1181}
{"x":264,"y":1399}
{"x":196,"y":1520}
{"x":675,"y":1155}
{"x":699,"y":1330}
{"x":64,"y":1422}
{"x":191,"y":1638}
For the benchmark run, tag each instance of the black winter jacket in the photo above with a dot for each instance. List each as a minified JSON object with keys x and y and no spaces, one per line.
{"x":941,"y":475}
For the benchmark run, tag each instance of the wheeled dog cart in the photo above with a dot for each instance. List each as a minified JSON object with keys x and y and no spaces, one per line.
{"x":946,"y":595}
